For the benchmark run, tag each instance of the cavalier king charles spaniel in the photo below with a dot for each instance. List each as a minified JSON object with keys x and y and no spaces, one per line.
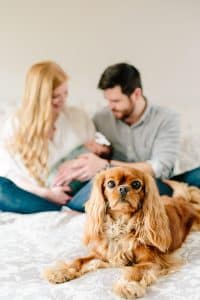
{"x":130,"y":225}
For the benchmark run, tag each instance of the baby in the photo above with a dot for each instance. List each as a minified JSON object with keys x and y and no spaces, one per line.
{"x":99,"y":146}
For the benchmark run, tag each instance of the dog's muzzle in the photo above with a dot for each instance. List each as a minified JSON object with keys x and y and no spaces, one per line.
{"x":123,"y":190}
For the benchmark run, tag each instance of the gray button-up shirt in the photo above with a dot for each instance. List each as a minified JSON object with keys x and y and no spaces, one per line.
{"x":154,"y":138}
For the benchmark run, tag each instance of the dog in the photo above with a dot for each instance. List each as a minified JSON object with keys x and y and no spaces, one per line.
{"x":130,"y":225}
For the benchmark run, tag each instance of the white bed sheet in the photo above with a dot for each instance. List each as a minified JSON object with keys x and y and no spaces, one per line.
{"x":29,"y":243}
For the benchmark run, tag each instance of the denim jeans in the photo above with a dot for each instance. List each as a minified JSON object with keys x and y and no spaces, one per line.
{"x":15,"y":199}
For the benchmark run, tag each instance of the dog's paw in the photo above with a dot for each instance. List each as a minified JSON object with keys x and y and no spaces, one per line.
{"x":60,"y":274}
{"x":128,"y":289}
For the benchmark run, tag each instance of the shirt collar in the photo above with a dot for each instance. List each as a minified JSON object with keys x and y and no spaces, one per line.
{"x":145,"y":114}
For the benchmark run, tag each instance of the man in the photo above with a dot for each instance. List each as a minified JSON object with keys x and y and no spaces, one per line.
{"x":143,"y":135}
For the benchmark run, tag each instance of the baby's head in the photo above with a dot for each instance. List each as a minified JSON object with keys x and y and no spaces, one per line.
{"x":103,"y":151}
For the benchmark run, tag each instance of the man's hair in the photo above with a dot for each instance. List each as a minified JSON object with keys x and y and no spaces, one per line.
{"x":122,"y":74}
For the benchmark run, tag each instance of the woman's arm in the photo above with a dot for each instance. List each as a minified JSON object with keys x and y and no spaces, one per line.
{"x":57,"y":194}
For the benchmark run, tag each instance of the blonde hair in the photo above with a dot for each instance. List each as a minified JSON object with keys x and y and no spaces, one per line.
{"x":35,"y":117}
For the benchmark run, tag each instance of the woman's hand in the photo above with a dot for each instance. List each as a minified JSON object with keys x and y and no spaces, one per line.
{"x":88,"y":165}
{"x":82,"y":169}
{"x":67,"y":165}
{"x":59,"y":194}
{"x":64,"y":173}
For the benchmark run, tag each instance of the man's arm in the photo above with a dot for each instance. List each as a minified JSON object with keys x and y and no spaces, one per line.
{"x":165,"y":150}
{"x":161,"y":163}
{"x":166,"y":147}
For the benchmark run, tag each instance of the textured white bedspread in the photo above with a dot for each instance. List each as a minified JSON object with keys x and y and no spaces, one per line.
{"x":29,"y":243}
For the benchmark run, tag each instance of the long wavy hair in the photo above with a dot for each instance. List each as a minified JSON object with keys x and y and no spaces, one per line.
{"x":35,"y":117}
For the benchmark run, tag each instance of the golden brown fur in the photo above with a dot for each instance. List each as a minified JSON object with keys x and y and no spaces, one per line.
{"x":130,"y":225}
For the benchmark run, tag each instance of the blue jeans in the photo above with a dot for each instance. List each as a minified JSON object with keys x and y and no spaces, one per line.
{"x":191,"y":177}
{"x":15,"y":199}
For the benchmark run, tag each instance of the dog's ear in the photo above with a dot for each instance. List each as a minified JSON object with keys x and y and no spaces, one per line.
{"x":155,"y":229}
{"x":95,"y":209}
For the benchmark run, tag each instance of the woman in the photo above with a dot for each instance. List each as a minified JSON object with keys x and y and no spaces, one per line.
{"x":40,"y":134}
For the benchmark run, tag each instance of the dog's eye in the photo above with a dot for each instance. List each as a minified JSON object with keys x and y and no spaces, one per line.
{"x":136,"y":184}
{"x":111,"y":184}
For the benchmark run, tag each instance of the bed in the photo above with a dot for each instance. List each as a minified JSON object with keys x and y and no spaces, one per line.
{"x":30,"y":243}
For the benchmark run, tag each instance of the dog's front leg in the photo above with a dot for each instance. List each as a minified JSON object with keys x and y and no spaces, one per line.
{"x":64,"y":272}
{"x":135,"y":279}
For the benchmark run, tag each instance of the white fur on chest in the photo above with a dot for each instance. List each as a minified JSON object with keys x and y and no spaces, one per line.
{"x":120,"y":241}
{"x":116,"y":229}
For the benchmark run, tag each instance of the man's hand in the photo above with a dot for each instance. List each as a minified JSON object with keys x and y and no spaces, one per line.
{"x":58,"y":194}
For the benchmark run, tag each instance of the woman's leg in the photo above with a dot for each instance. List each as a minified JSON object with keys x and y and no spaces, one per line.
{"x":78,"y":201}
{"x":190,"y":177}
{"x":15,"y":199}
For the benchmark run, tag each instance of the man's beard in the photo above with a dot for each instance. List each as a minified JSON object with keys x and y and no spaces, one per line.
{"x":123,"y":115}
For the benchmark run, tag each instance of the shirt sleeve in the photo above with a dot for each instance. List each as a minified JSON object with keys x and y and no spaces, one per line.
{"x":166,"y":147}
{"x":11,"y":165}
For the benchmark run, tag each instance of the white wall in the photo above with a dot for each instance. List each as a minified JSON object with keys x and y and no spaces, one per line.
{"x":161,"y":38}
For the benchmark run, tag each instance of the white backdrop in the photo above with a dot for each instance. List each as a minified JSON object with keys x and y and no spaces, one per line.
{"x":161,"y":38}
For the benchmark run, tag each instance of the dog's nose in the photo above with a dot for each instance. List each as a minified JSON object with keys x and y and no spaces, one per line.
{"x":123,"y":190}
